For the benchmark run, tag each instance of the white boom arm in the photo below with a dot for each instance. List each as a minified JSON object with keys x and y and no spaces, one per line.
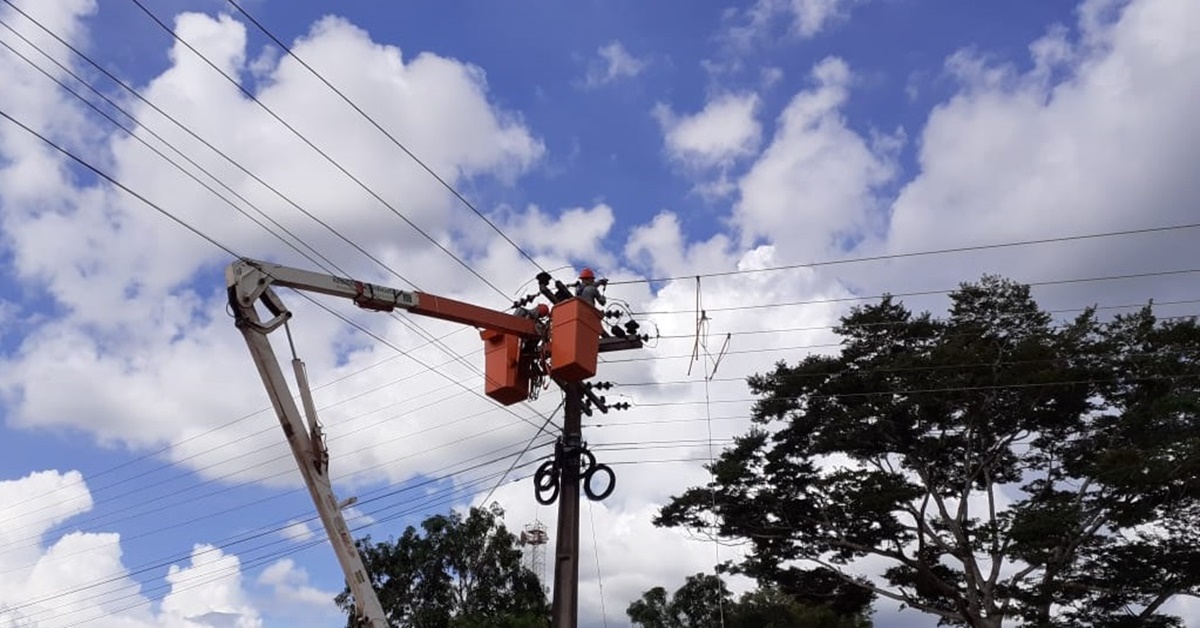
{"x":248,"y":282}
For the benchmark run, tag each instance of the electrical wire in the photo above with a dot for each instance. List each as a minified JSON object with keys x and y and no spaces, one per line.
{"x":113,"y":181}
{"x":136,"y":94}
{"x":263,"y":532}
{"x":1153,"y":274}
{"x":197,"y":582}
{"x":133,"y":135}
{"x":945,"y":251}
{"x":379,"y":262}
{"x":344,"y":421}
{"x":237,"y":84}
{"x":923,"y":391}
{"x":921,"y":293}
{"x":432,"y":339}
{"x":158,"y":468}
{"x":596,"y":552}
{"x":141,"y":510}
{"x":116,"y":183}
{"x":752,"y":332}
{"x":520,"y":455}
{"x":291,"y":53}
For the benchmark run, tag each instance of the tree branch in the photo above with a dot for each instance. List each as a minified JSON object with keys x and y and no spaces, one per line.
{"x":888,"y":594}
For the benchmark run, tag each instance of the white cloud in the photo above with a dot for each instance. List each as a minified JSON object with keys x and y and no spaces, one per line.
{"x":298,"y":531}
{"x":613,"y":64}
{"x":293,"y":596}
{"x":726,"y":129}
{"x":136,"y":338}
{"x":209,"y":591}
{"x":815,"y":183}
{"x":538,"y":232}
{"x":1096,"y":136}
{"x":810,"y":17}
{"x":803,"y":19}
{"x":79,"y":578}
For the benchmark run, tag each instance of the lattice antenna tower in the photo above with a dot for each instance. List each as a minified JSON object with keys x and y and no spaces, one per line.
{"x":534,"y":538}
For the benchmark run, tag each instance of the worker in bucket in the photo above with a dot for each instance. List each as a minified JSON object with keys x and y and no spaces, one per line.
{"x":588,"y":288}
{"x":535,"y":351}
{"x":538,"y":314}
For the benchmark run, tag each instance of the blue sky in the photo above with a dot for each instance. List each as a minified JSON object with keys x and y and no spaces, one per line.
{"x":643,"y":139}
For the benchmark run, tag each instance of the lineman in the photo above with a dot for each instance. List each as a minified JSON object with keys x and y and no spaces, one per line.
{"x":538,"y":314}
{"x":588,"y":288}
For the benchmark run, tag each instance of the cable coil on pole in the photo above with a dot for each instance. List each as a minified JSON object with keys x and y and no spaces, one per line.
{"x":546,"y":480}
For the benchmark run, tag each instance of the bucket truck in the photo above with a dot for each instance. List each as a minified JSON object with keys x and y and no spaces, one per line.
{"x":519,"y":353}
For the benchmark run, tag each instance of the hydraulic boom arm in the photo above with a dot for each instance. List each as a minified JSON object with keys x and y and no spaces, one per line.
{"x":251,"y":280}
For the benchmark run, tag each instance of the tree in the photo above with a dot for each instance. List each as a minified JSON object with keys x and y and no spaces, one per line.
{"x":704,"y":602}
{"x":1001,"y":466}
{"x":463,"y":572}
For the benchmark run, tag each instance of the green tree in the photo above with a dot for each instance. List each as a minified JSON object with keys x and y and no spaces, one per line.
{"x":1001,"y":466}
{"x":704,"y":602}
{"x":461,"y":572}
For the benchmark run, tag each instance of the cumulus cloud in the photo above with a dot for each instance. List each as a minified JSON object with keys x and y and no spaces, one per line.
{"x":298,"y":531}
{"x":139,"y":322}
{"x":815,"y":184}
{"x":1026,"y":154}
{"x":80,"y":578}
{"x":294,"y":598}
{"x":802,"y":19}
{"x":535,"y":230}
{"x":725,"y":130}
{"x":613,"y":63}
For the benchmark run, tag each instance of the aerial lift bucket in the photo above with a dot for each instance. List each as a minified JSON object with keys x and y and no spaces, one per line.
{"x":574,"y":340}
{"x":505,"y":380}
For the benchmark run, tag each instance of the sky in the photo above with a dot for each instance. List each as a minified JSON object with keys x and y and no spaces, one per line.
{"x":146,"y":483}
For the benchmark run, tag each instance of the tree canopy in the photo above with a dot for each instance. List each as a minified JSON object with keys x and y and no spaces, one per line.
{"x":704,"y":602}
{"x":461,"y":572}
{"x":998,"y":465}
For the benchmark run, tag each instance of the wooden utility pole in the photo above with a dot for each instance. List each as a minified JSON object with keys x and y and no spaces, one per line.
{"x":565,"y":608}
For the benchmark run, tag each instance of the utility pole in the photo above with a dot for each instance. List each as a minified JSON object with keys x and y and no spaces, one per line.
{"x":565,"y":608}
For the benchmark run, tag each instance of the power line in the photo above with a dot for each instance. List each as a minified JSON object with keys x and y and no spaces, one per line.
{"x":890,"y":370}
{"x":596,"y":551}
{"x":386,"y":267}
{"x":103,"y":175}
{"x":161,"y":466}
{"x":892,"y":256}
{"x":522,"y":454}
{"x":919,"y":293}
{"x":136,"y":94}
{"x":197,"y":232}
{"x":433,"y":339}
{"x":922,"y":391}
{"x":106,"y":519}
{"x":291,"y":53}
{"x":467,"y":490}
{"x":239,"y":539}
{"x":142,"y":141}
{"x":780,"y":330}
{"x":233,"y":81}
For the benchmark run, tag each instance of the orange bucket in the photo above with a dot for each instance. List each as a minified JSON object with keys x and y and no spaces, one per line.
{"x":504,"y":379}
{"x":574,"y":340}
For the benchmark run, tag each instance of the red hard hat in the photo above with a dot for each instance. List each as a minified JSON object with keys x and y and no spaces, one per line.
{"x":587,"y":273}
{"x":542,"y":309}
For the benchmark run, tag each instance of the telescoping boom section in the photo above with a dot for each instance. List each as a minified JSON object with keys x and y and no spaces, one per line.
{"x":517,"y":349}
